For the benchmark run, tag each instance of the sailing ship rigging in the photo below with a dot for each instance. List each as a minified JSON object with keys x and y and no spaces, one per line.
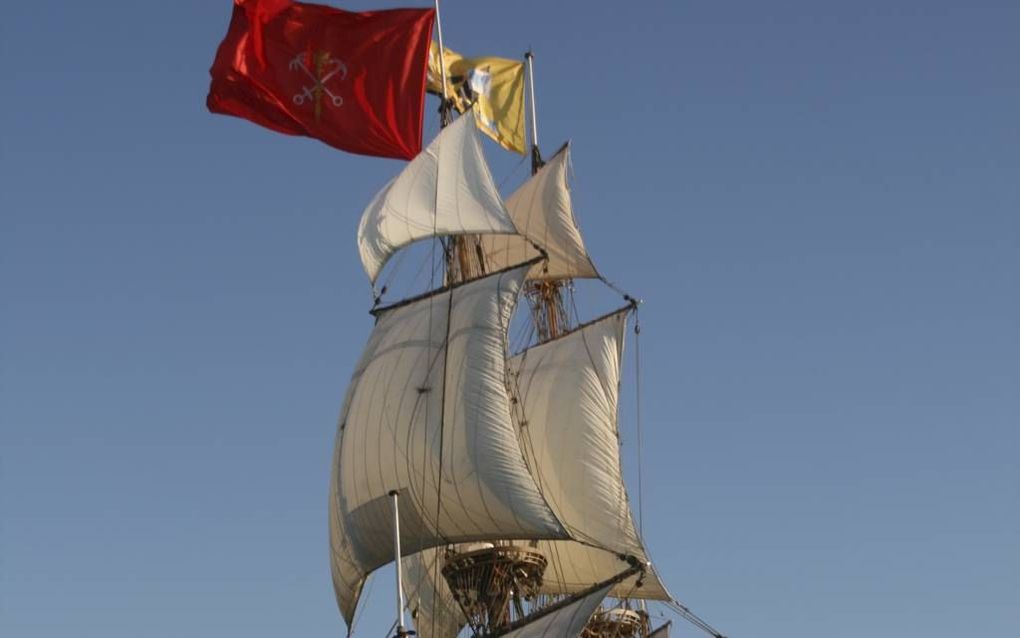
{"x":494,"y":480}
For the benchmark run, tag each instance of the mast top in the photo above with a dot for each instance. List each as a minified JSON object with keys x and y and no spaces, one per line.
{"x":536,"y":154}
{"x":446,"y":105}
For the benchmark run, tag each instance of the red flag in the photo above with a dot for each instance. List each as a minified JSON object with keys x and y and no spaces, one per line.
{"x":356,"y":81}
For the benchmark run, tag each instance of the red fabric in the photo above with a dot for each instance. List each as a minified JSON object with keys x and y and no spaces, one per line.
{"x":260,"y":12}
{"x":356,"y":81}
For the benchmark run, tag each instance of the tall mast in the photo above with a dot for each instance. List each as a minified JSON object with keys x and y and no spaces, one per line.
{"x":463,"y":253}
{"x":536,"y":155}
{"x":444,"y":108}
{"x":491,"y":583}
{"x":452,"y":247}
{"x":548,"y":312}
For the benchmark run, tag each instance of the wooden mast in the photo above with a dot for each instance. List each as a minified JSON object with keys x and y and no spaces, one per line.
{"x":548,"y":310}
{"x":491,"y":582}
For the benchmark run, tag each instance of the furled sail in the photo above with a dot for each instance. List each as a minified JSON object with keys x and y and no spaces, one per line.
{"x":427,"y":414}
{"x":542,"y":212}
{"x":565,"y":622}
{"x":568,"y":390}
{"x":446,"y":190}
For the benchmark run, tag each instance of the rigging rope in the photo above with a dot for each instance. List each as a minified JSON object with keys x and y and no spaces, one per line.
{"x":640,"y":438}
{"x":619,"y":290}
{"x":359,"y":612}
{"x":432,"y":281}
{"x":512,"y":173}
{"x":690,"y":617}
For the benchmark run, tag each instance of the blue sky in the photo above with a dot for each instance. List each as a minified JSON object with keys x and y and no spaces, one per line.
{"x":819,"y":202}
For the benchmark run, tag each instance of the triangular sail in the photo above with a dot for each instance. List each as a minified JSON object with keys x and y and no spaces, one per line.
{"x":565,"y":622}
{"x":427,"y":414}
{"x":541,"y":210}
{"x":568,"y":391}
{"x":446,"y":190}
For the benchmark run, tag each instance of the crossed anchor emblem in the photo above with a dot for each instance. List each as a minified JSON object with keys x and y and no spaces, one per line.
{"x":326,"y":67}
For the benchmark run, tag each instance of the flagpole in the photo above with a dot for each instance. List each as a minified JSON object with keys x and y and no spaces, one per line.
{"x":444,"y":108}
{"x":536,"y":155}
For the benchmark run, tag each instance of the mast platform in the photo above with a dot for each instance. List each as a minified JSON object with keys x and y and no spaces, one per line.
{"x":619,"y":622}
{"x":485,"y":582}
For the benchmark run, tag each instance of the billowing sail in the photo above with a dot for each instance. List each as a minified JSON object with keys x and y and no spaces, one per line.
{"x":446,"y":190}
{"x":427,"y":414}
{"x":542,"y":212}
{"x":567,"y":391}
{"x":573,"y":566}
{"x":565,"y":622}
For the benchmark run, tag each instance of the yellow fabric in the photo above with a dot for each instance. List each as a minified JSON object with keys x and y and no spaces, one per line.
{"x":496,"y":83}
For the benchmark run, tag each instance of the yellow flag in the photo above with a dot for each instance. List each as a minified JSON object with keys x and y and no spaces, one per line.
{"x":494,"y":85}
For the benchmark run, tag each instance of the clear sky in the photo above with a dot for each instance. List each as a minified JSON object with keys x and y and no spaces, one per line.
{"x":819,"y":202}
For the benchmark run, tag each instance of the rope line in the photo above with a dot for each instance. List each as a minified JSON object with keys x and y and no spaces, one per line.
{"x":432,"y":281}
{"x":619,"y":290}
{"x":692,"y":618}
{"x":640,"y":438}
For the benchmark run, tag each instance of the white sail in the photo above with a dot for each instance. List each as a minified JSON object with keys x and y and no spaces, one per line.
{"x":446,"y":190}
{"x":565,"y":622}
{"x":568,"y":390}
{"x":567,"y":393}
{"x":542,"y":212}
{"x":433,"y":608}
{"x":427,"y":414}
{"x":573,"y":567}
